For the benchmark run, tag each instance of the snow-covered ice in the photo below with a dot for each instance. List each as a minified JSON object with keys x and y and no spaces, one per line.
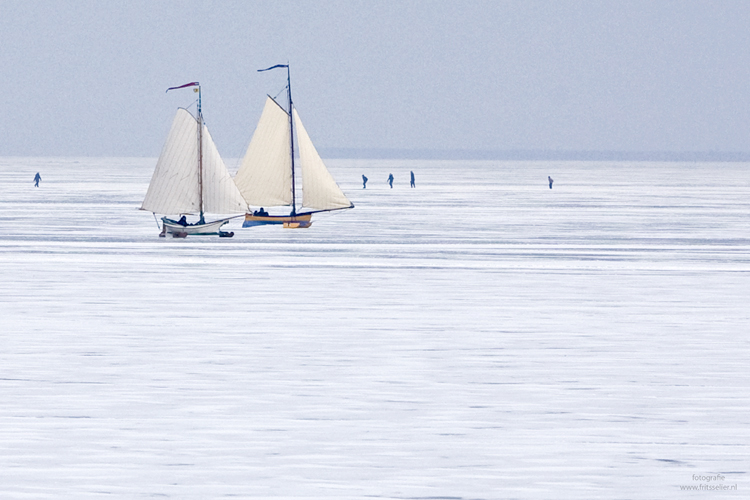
{"x":480,"y":336}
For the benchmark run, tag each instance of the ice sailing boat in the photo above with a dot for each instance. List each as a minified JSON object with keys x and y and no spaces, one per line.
{"x":191,"y":178}
{"x":268,"y":175}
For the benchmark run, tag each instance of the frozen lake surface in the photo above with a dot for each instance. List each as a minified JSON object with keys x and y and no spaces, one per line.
{"x":478,"y":337}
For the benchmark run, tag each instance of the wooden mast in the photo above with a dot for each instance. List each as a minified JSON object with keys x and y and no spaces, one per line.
{"x":200,"y":153}
{"x":291,"y":138}
{"x":200,"y":142}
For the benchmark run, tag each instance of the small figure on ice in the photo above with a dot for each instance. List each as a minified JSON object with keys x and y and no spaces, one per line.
{"x":550,"y":181}
{"x":412,"y":180}
{"x":37,"y":178}
{"x":390,"y":180}
{"x":364,"y":182}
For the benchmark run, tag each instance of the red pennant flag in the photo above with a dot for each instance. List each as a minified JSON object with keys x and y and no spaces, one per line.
{"x":191,"y":84}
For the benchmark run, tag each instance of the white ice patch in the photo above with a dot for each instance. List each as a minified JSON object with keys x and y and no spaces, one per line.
{"x":479,"y":336}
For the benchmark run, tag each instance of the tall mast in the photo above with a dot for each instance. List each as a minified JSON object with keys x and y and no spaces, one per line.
{"x":200,"y":139}
{"x":291,"y":138}
{"x":291,"y":129}
{"x":200,"y":151}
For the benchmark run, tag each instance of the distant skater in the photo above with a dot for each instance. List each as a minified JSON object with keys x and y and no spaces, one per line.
{"x":412,"y":180}
{"x":37,"y":178}
{"x":364,"y":181}
{"x":390,"y":180}
{"x":550,"y":181}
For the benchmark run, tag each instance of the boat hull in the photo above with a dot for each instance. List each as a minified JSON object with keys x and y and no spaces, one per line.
{"x":289,"y":221}
{"x":207,"y":228}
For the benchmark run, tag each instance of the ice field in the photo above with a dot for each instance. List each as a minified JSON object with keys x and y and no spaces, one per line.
{"x":478,"y":337}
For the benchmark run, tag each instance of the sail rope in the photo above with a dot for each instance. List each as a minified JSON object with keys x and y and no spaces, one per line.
{"x":238,"y":159}
{"x":194,"y":103}
{"x":280,"y":91}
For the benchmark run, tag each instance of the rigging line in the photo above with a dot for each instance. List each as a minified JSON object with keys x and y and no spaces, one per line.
{"x":157,"y":220}
{"x":280,"y":91}
{"x":241,"y":156}
{"x":191,"y":105}
{"x":236,"y":166}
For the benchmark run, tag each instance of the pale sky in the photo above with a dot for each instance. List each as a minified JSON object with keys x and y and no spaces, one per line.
{"x":88,"y":78}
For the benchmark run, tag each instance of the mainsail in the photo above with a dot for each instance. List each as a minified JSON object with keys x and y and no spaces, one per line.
{"x":176,"y":185}
{"x":265,"y":176}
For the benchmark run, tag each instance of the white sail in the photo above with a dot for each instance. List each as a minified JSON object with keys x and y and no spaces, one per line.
{"x":265,"y":176}
{"x":220,"y":194}
{"x":319,"y":189}
{"x":174,"y":187}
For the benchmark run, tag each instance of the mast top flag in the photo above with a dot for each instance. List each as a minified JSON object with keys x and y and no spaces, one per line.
{"x":197,"y":89}
{"x":191,"y":84}
{"x":274,"y":67}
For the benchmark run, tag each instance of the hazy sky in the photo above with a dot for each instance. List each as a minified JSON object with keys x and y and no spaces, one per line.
{"x":88,"y":78}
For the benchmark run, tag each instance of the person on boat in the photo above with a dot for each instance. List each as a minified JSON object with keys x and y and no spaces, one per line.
{"x":412,"y":179}
{"x":261,"y":213}
{"x":364,"y":181}
{"x":182,"y":221}
{"x":37,"y":178}
{"x":390,"y":180}
{"x":550,"y":181}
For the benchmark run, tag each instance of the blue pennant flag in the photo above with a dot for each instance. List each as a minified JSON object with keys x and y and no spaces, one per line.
{"x":274,"y":67}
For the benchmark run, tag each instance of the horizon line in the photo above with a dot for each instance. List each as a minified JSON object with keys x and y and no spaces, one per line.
{"x":533,"y":155}
{"x":485,"y":154}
